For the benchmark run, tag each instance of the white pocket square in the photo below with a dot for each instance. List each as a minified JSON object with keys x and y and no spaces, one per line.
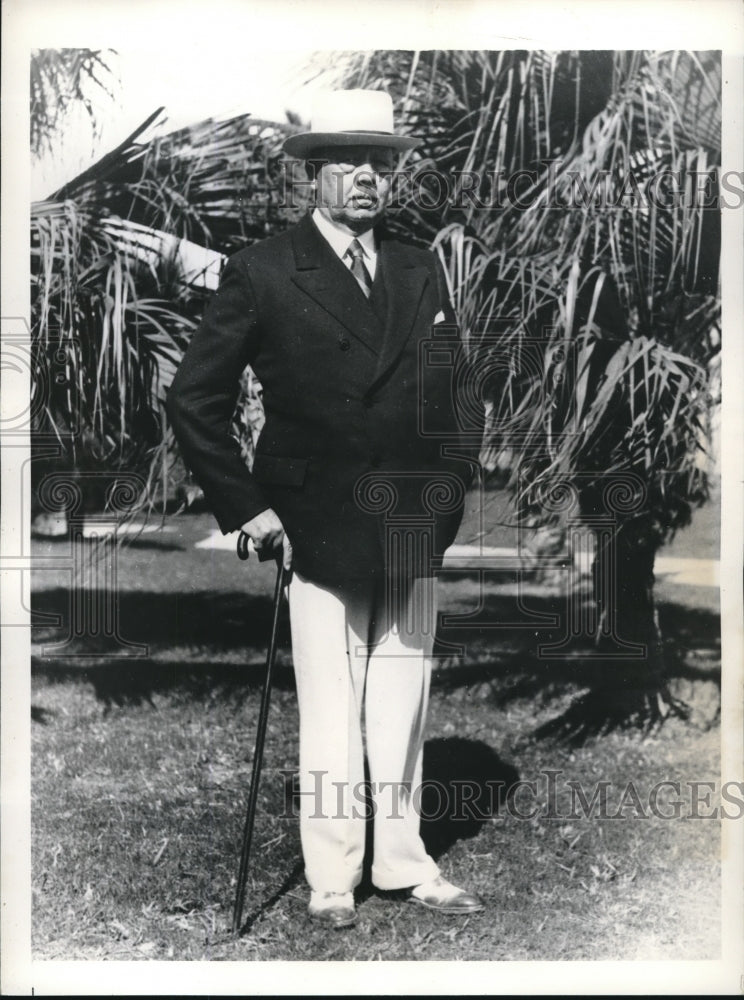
{"x":440,"y":317}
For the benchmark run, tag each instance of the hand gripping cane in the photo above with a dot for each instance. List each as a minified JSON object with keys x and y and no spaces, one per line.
{"x":244,"y":547}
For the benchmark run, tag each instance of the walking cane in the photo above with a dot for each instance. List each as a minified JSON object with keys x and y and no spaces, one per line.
{"x":263,"y":716}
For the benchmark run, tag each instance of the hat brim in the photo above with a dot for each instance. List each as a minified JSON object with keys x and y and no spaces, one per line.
{"x":303,"y":144}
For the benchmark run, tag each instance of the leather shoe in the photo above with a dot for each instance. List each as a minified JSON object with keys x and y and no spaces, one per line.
{"x":334,"y":909}
{"x":441,"y":895}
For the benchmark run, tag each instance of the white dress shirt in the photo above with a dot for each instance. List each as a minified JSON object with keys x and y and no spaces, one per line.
{"x":340,"y":241}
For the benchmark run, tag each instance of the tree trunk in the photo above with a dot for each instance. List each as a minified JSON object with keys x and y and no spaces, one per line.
{"x":627,"y":678}
{"x":633,"y":680}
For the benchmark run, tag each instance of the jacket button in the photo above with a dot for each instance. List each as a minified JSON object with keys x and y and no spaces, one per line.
{"x":344,"y":344}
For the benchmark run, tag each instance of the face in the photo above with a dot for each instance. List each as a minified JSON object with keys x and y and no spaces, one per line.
{"x":353,"y":185}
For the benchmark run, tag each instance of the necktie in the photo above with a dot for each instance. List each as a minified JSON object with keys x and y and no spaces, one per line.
{"x":360,"y":272}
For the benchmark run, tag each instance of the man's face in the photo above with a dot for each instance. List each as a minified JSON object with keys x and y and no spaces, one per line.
{"x":353,"y":185}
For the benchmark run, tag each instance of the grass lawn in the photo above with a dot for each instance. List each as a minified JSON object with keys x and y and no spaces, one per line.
{"x":141,"y":767}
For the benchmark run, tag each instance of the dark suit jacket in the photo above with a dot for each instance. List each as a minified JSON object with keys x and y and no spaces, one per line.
{"x":353,"y":454}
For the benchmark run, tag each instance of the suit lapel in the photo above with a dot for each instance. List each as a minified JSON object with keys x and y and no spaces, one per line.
{"x":404,"y":283}
{"x":322,"y":276}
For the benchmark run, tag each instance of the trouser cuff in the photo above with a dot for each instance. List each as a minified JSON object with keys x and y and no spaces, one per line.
{"x":403,"y":878}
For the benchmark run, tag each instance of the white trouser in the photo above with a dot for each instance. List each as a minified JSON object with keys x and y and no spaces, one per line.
{"x":352,"y":654}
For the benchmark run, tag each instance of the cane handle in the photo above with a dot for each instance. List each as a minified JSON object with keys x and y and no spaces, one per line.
{"x":245,"y":546}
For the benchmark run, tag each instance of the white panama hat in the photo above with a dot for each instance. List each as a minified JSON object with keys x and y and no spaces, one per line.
{"x":350,"y":118}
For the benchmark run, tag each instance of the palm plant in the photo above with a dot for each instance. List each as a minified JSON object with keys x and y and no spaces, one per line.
{"x":588,"y":301}
{"x":123,"y":257}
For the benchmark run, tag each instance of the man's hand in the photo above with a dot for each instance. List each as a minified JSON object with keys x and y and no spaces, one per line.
{"x":266,"y":532}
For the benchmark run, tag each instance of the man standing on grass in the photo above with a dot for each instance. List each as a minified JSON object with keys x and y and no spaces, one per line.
{"x":358,"y":482}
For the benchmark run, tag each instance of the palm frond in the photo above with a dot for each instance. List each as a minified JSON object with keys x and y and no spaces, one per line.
{"x":217,"y":183}
{"x":103,"y":312}
{"x":60,"y":80}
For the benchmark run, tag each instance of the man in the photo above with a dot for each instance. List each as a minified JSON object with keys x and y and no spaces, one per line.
{"x":352,"y":483}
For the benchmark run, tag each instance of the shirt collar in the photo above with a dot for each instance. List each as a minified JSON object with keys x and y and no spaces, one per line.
{"x":340,"y":240}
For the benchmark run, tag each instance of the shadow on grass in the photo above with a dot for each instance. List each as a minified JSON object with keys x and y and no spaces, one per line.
{"x":607,"y":693}
{"x":146,"y":543}
{"x":157,"y":620}
{"x":514,"y":648}
{"x":134,"y":682}
{"x":289,"y":883}
{"x":464,"y":784}
{"x":42,"y":715}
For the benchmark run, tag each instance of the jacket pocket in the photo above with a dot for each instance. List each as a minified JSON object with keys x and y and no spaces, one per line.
{"x":279,"y":470}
